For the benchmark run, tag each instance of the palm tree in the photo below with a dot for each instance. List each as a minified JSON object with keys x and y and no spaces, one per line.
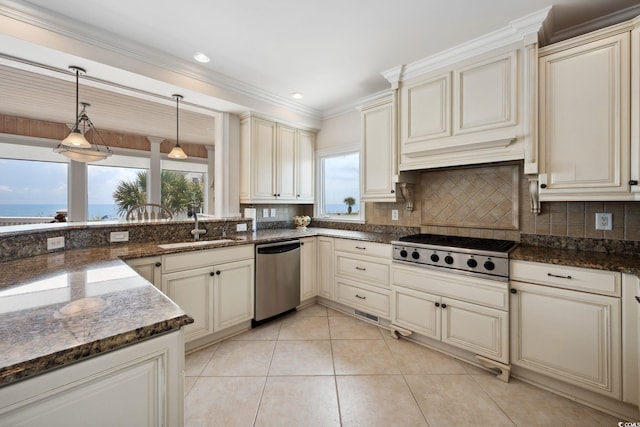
{"x":177,"y":192}
{"x":350,"y":201}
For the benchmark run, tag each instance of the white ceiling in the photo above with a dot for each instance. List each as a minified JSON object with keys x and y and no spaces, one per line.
{"x":332,"y":51}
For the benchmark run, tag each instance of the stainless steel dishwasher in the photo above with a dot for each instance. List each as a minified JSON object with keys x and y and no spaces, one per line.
{"x":277,"y":278}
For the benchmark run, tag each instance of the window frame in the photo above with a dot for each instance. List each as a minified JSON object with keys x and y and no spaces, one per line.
{"x":318,"y":211}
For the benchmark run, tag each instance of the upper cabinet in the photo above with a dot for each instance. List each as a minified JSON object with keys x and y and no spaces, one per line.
{"x":379,"y":166}
{"x":276,"y":162}
{"x":589,"y":116}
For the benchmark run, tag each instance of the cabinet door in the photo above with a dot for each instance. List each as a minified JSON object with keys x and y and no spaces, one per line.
{"x":566,"y":334}
{"x":263,"y":146}
{"x":233,"y":294}
{"x":379,"y":154}
{"x":325,"y":266}
{"x":149,"y":268}
{"x":480,"y":330}
{"x":192,"y":290}
{"x":308,"y":272}
{"x":305,"y":167}
{"x":285,"y":164}
{"x":584,"y":121}
{"x":416,"y":311}
{"x":485,"y":95}
{"x":425,"y":111}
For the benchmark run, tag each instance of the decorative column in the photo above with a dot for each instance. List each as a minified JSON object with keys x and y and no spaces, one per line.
{"x":77,"y":196}
{"x":155,"y":171}
{"x":211,"y":168}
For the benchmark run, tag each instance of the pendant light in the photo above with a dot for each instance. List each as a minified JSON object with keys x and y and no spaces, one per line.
{"x":177,"y":152}
{"x":75,"y":146}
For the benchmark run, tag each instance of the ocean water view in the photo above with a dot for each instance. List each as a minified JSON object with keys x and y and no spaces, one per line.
{"x":96,"y":210}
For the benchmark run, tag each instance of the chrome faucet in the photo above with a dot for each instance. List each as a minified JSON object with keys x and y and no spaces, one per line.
{"x":196,"y":232}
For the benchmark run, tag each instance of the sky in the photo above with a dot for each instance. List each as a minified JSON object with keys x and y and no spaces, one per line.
{"x":342,"y":178}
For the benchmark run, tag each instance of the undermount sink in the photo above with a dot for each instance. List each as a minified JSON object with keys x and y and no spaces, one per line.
{"x":195,"y":243}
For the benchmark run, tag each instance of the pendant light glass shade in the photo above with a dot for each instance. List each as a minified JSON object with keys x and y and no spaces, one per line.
{"x":177,"y":152}
{"x":76,"y":146}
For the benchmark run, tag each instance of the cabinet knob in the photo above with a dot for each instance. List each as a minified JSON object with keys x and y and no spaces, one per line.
{"x":274,"y":194}
{"x":297,"y":195}
{"x":393,"y":191}
{"x":301,"y":243}
{"x":158,"y":264}
{"x":513,"y":291}
{"x":633,"y":182}
{"x":218,"y":272}
{"x":437,"y":304}
{"x":543,"y":185}
{"x":444,"y":305}
{"x":212,"y":274}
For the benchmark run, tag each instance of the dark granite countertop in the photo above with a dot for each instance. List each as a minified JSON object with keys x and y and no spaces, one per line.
{"x":65,"y":306}
{"x":576,"y":258}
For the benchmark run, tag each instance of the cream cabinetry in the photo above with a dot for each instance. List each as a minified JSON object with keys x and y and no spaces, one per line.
{"x":308,"y":270}
{"x":466,"y":312}
{"x":379,"y":165}
{"x":325,"y":267}
{"x":362,"y":275}
{"x":139,"y":385}
{"x":466,"y":113}
{"x":214,"y":286}
{"x":589,"y":141}
{"x":149,"y":268}
{"x":276,"y":162}
{"x":566,"y":324}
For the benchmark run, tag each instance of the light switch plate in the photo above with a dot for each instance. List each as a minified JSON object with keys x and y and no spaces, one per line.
{"x":265,"y":213}
{"x":55,"y":243}
{"x":604,"y":221}
{"x":241,"y":227}
{"x":394,"y":214}
{"x":119,"y":236}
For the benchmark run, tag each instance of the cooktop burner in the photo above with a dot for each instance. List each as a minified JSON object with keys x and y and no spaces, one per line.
{"x":472,"y":243}
{"x":487,"y":258}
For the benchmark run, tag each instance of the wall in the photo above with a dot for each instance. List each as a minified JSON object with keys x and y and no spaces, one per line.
{"x":339,"y":131}
{"x":566,"y":219}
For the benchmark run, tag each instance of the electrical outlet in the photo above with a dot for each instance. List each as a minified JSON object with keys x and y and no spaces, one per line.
{"x":55,"y":243}
{"x":604,"y":221}
{"x":273,"y":212}
{"x":119,"y":236}
{"x":394,"y":214}
{"x":265,"y":213}
{"x":241,"y":227}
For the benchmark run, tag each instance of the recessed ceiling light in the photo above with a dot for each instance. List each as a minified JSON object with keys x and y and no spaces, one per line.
{"x":201,"y":57}
{"x":296,"y":95}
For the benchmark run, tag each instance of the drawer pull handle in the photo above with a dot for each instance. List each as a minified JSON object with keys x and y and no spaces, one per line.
{"x":558,"y":276}
{"x":361,"y":268}
{"x":638,"y":299}
{"x":158,"y":264}
{"x":361,"y":297}
{"x":362,"y":248}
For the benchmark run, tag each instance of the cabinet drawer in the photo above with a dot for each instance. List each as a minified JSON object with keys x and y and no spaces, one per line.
{"x":364,"y":248}
{"x":371,"y":300}
{"x":560,"y":276}
{"x":477,"y":290}
{"x":205,"y":258}
{"x":369,"y":270}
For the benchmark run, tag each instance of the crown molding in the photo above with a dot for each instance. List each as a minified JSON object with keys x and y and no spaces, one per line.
{"x":81,"y":32}
{"x":348,"y":108}
{"x":524,"y":29}
{"x":596,"y":24}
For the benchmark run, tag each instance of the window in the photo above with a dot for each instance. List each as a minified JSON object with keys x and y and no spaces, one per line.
{"x":339,"y":187}
{"x":114,"y":190}
{"x":31,"y":188}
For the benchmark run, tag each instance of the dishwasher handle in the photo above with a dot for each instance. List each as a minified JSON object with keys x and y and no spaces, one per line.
{"x":278,"y":249}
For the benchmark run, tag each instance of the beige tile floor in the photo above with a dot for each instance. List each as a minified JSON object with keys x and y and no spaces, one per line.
{"x":318,"y":367}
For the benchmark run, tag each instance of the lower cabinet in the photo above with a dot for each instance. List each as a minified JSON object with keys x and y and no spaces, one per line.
{"x":139,"y":385}
{"x":215,"y":286}
{"x":325,"y":268}
{"x":308,"y":270}
{"x":370,"y":299}
{"x":466,"y":312}
{"x":569,"y":335}
{"x":150,"y":268}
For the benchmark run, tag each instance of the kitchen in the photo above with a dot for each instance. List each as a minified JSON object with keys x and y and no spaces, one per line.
{"x":483,"y":154}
